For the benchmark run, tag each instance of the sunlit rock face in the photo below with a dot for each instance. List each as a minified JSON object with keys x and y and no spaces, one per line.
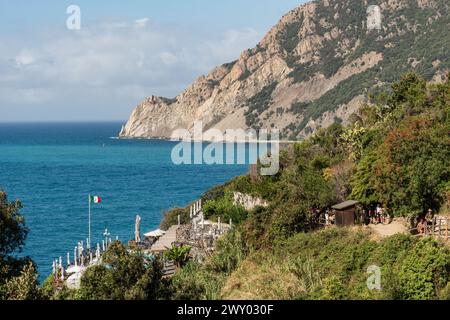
{"x":312,"y":69}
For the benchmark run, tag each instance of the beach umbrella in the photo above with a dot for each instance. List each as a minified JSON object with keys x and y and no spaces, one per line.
{"x":75,"y":269}
{"x":137,"y":229}
{"x":155,"y":234}
{"x":62,"y":273}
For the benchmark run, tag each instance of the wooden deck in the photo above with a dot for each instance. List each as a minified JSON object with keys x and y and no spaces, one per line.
{"x":166,"y":240}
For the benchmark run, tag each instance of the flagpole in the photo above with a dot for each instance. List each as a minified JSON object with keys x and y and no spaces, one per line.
{"x":89,"y":220}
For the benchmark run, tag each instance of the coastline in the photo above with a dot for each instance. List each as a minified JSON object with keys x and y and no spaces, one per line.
{"x":205,"y":140}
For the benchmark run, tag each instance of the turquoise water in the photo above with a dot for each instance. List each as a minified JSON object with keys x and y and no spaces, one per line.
{"x":52,"y":168}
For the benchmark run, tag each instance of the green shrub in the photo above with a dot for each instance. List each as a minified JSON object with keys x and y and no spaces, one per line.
{"x":171,"y":217}
{"x":424,"y":271}
{"x":225,"y":209}
{"x":123,"y":275}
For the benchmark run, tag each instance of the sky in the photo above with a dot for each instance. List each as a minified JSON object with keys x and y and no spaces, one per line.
{"x":123,"y":52}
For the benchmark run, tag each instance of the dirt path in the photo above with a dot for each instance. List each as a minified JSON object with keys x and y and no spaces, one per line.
{"x":386,"y":230}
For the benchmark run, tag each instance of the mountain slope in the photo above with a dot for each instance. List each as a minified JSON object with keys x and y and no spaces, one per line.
{"x":315,"y":67}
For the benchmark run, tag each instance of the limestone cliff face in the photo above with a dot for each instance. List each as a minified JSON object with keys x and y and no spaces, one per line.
{"x":315,"y":67}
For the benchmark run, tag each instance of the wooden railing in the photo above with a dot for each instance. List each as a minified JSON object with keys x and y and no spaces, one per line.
{"x":439,"y":228}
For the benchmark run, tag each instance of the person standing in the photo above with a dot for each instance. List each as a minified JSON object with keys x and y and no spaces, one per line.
{"x":378,"y":213}
{"x":421,"y":226}
{"x":429,"y":217}
{"x":365,"y":216}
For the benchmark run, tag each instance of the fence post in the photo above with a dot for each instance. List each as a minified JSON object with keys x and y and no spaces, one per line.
{"x":446,"y":229}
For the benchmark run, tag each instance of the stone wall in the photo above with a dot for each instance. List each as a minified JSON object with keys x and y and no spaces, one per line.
{"x":248,"y":202}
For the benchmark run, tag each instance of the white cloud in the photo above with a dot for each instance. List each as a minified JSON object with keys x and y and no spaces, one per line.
{"x":109,"y":64}
{"x":141,"y":23}
{"x":24,"y":58}
{"x":168,"y":58}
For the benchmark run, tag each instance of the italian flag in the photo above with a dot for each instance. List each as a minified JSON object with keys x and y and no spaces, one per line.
{"x":95,"y":199}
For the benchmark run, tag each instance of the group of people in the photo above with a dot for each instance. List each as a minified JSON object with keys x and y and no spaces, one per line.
{"x":364,"y":215}
{"x":424,"y":222}
{"x":372,"y":215}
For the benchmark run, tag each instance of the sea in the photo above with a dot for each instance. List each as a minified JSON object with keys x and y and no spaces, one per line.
{"x":53,"y":167}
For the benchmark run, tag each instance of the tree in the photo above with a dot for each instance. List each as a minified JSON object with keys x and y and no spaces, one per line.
{"x":224,"y":208}
{"x":123,"y":275}
{"x":17,"y":275}
{"x":409,"y":168}
{"x":410,"y":93}
{"x":351,"y":141}
{"x":12,"y":226}
{"x":25,"y":286}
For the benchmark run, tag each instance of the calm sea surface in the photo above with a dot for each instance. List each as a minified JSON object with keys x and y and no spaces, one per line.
{"x":52,"y":168}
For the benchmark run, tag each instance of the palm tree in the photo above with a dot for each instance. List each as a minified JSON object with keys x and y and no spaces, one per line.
{"x":179,"y":254}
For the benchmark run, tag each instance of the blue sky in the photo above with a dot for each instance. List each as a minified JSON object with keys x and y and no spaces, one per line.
{"x":125,"y":50}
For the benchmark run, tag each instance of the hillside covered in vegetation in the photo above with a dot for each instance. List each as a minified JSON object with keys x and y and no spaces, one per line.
{"x":395,"y":151}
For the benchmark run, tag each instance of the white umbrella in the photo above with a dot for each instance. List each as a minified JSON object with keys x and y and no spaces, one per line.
{"x":155,"y":233}
{"x":75,"y":269}
{"x":98,"y":250}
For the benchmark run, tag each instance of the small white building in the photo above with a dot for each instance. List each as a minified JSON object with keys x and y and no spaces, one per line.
{"x":374,"y":18}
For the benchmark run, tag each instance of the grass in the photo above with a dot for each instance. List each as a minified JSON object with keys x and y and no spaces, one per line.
{"x":333,"y":263}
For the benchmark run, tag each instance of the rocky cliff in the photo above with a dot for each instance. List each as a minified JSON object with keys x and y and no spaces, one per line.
{"x":315,"y":67}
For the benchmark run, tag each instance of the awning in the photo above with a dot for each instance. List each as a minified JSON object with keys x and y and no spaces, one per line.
{"x":155,"y":234}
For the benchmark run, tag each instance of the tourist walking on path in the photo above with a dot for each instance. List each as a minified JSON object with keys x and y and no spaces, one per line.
{"x":379,"y":213}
